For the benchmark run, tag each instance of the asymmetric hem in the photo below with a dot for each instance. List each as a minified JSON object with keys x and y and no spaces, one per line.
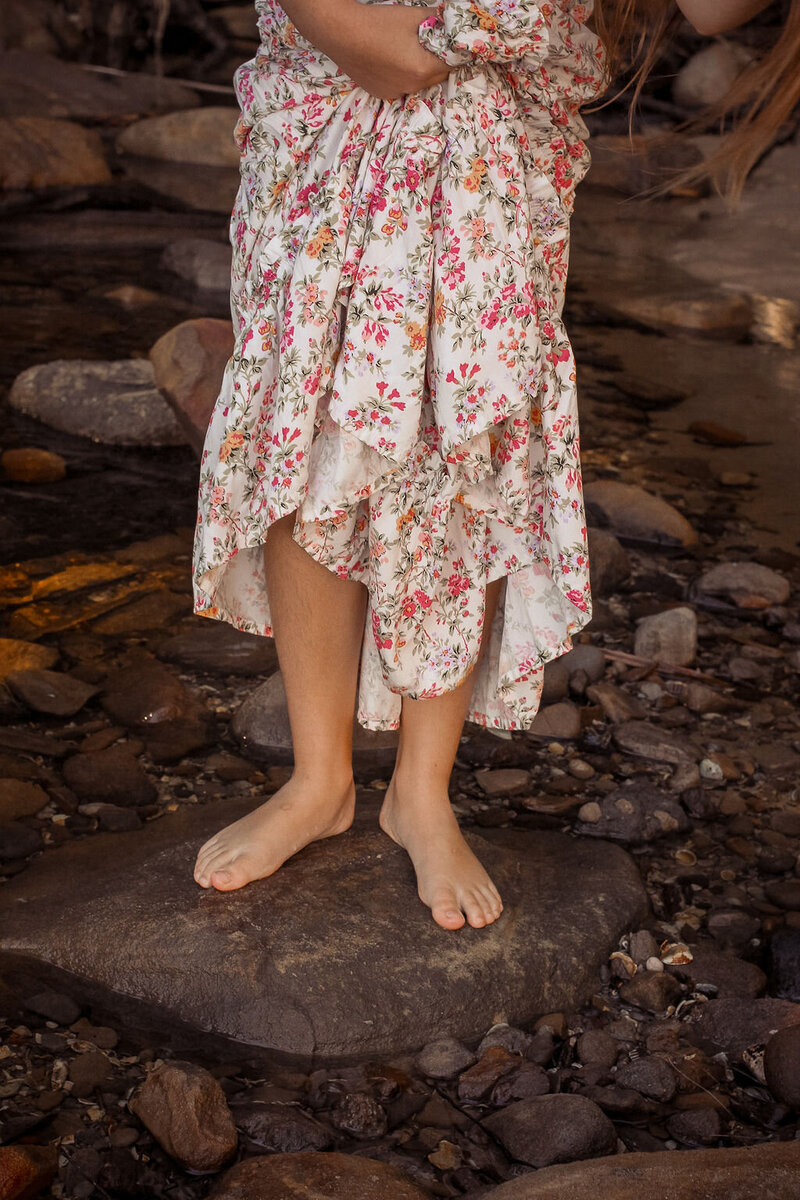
{"x":401,"y":378}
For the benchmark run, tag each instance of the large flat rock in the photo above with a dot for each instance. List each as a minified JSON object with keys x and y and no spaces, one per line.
{"x":732,"y":1173}
{"x":333,"y":958}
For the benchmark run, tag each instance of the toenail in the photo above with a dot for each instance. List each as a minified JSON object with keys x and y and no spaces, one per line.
{"x":452,"y":913}
{"x":224,"y":876}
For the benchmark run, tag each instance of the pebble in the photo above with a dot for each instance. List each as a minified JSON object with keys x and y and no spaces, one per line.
{"x":651,"y":741}
{"x":113,"y":775}
{"x":668,"y":637}
{"x":560,"y":720}
{"x":637,"y":812}
{"x":630,"y":511}
{"x":697,"y":1127}
{"x":616,"y":703}
{"x":184,"y":1108}
{"x":54,"y":1006}
{"x":29,"y":464}
{"x":580,"y":768}
{"x":784,"y":963}
{"x":18,"y":841}
{"x":19,"y":655}
{"x":782,"y":1065}
{"x":508,"y":781}
{"x":523,"y":1082}
{"x":611,"y":566}
{"x":282,"y":1128}
{"x":552,"y":1129}
{"x":652,"y":990}
{"x":89,"y":1071}
{"x":20,"y":799}
{"x":597,"y":1048}
{"x":334,"y":1175}
{"x":785,"y":893}
{"x":586,"y":658}
{"x":728,"y":974}
{"x":642,"y":945}
{"x":101,"y":1036}
{"x":651,"y":1077}
{"x":26,"y":1170}
{"x":480,"y":1078}
{"x":746,"y":584}
{"x":360,"y":1115}
{"x":444,"y":1059}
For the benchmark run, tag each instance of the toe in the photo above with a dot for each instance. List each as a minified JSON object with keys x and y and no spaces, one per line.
{"x":475,"y":908}
{"x":446,"y":911}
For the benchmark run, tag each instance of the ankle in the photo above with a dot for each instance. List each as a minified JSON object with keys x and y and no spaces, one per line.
{"x":328,"y":780}
{"x":419,"y":784}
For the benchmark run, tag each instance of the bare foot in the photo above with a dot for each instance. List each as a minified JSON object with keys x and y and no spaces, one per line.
{"x":450,"y":880}
{"x":256,"y":845}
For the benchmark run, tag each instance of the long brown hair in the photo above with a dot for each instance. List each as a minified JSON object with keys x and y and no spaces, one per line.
{"x":758,"y":103}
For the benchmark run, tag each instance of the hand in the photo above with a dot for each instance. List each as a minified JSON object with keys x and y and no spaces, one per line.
{"x":376,"y":45}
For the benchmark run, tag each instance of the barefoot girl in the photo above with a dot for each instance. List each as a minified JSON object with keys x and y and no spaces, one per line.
{"x":391,"y":483}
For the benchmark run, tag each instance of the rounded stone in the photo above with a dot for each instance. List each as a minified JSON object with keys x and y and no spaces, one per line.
{"x":597,"y":1048}
{"x":29,"y":464}
{"x":782,"y":1065}
{"x":651,"y":1077}
{"x":553,"y":1129}
{"x":332,"y":1175}
{"x":185,"y":1109}
{"x":444,"y":1058}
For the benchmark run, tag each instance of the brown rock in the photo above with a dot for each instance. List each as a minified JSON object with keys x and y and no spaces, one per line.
{"x":597,"y":1048}
{"x":782,"y":1065}
{"x":730,"y":1173}
{"x":617,"y":704}
{"x":185,"y":1109}
{"x":609,"y":564}
{"x":36,"y":152}
{"x":731,"y":976}
{"x":668,"y":637}
{"x":29,"y":464}
{"x":113,"y":775}
{"x":204,"y":135}
{"x":311,"y":1175}
{"x":509,"y":781}
{"x":562,"y":720}
{"x":479,"y":1079}
{"x":150,"y":611}
{"x":552,"y":1129}
{"x":216,"y":647}
{"x":50,"y":691}
{"x":654,"y":991}
{"x":633,"y":513}
{"x":89,"y":1071}
{"x":734,"y":1024}
{"x":189,"y":362}
{"x":21,"y":656}
{"x":707,"y":313}
{"x":785,"y":893}
{"x":25,"y":1171}
{"x":746,"y":584}
{"x":631,"y":168}
{"x":20,"y":799}
{"x":651,"y":1077}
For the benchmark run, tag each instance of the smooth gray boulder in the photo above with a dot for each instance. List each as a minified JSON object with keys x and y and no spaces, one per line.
{"x":333,"y":958}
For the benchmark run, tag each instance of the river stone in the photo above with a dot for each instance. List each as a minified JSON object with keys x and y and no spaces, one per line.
{"x":669,"y":637}
{"x":116,"y":403}
{"x":25,"y":1171}
{"x":204,"y":135}
{"x":631,"y":513}
{"x":18,"y":798}
{"x":114,"y":775}
{"x":30,"y":464}
{"x":609,"y":564}
{"x":16,"y":655}
{"x":281,"y":1128}
{"x":552,"y":1129}
{"x":747,"y":584}
{"x":315,"y":1176}
{"x":734,"y":1024}
{"x":782,"y":1065}
{"x":185,"y":1109}
{"x":334,"y":957}
{"x":261,"y":727}
{"x":52,"y":692}
{"x":730,"y":1173}
{"x":220,"y":649}
{"x":189,"y":360}
{"x":36,"y":152}
{"x":194,"y":185}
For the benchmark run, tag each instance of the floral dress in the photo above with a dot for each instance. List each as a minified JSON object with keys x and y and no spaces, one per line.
{"x":401,"y":378}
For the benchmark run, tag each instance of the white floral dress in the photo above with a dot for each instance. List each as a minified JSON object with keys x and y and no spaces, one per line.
{"x":401,"y":377}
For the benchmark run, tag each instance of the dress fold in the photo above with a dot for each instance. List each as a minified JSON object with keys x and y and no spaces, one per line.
{"x":401,"y":377}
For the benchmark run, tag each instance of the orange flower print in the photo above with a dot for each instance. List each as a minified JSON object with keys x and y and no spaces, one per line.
{"x":233,"y":440}
{"x":323,"y":237}
{"x":417,"y":335}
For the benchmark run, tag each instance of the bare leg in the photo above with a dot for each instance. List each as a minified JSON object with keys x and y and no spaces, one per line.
{"x":318,"y":623}
{"x":417,"y":813}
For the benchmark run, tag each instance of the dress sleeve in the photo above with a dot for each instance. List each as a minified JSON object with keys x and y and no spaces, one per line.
{"x":500,"y":31}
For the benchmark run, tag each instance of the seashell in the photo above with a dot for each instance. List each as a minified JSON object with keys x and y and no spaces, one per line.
{"x":622,"y":964}
{"x":687,"y":857}
{"x":675,"y":952}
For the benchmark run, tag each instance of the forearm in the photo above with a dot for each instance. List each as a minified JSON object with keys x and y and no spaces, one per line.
{"x":716,"y":16}
{"x":327,"y":24}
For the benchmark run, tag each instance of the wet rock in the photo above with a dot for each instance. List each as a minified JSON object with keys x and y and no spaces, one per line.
{"x":651,"y":741}
{"x":728,"y":1173}
{"x":616,"y":703}
{"x":612,"y":1099}
{"x":282,"y":1128}
{"x":706,"y":313}
{"x":782,"y":1065}
{"x":562,"y":720}
{"x":552,"y":1129}
{"x":709,"y":73}
{"x":17,"y":655}
{"x":637,"y":812}
{"x":510,"y":1039}
{"x":334,"y":1176}
{"x":631,"y":512}
{"x":504,"y":782}
{"x":610,"y":566}
{"x":113,"y":775}
{"x":785,"y":893}
{"x":523,"y":1082}
{"x":45,"y":85}
{"x":597,"y":1048}
{"x":150,"y":611}
{"x":185,"y":1109}
{"x":101,"y":1036}
{"x":651,"y":1077}
{"x":194,"y":186}
{"x":668,"y":637}
{"x":733,"y":927}
{"x":786,"y":821}
{"x":359,"y":1115}
{"x":54,"y":1006}
{"x":734,"y":1024}
{"x":587,"y":658}
{"x":18,"y":841}
{"x":25,"y":1171}
{"x":642,"y":946}
{"x":116,"y":403}
{"x":399,"y":980}
{"x":189,"y":361}
{"x":206,"y":265}
{"x":50,"y":691}
{"x":654,"y":991}
{"x":20,"y":799}
{"x":29,"y":464}
{"x":216,"y":647}
{"x":731,"y":976}
{"x":746,"y":584}
{"x":89,"y":1071}
{"x":37,"y":152}
{"x":147,"y":695}
{"x":696,"y":1127}
{"x":784,"y":963}
{"x":444,"y":1059}
{"x":204,"y":135}
{"x":112,"y":817}
{"x":261,"y":727}
{"x":479,"y":1079}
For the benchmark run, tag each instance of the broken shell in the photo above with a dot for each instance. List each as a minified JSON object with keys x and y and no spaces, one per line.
{"x":622,"y":965}
{"x":687,"y":857}
{"x":675,"y":952}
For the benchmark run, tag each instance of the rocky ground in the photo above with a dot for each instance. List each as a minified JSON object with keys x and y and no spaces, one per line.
{"x":649,"y":1012}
